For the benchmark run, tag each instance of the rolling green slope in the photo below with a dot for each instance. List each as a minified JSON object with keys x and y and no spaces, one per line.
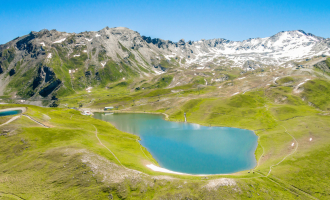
{"x":81,"y":157}
{"x":67,"y":161}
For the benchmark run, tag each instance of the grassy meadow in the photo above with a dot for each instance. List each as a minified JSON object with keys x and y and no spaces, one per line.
{"x":67,"y":161}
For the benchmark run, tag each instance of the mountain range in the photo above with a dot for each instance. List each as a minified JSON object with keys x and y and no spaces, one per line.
{"x":48,"y":64}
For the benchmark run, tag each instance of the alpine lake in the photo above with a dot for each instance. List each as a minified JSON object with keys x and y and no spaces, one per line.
{"x":189,"y":148}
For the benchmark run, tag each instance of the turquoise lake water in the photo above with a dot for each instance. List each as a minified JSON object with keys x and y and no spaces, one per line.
{"x":189,"y":148}
{"x":11,"y":112}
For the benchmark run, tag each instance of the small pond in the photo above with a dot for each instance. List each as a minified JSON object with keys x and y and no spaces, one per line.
{"x":10,"y":112}
{"x":189,"y":148}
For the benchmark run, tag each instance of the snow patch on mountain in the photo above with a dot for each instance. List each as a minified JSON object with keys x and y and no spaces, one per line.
{"x":276,"y":50}
{"x":60,"y":41}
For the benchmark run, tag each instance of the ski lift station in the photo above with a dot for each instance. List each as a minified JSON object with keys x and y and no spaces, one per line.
{"x":108,"y":108}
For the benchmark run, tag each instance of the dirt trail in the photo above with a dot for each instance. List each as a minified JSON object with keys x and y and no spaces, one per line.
{"x":316,"y":72}
{"x":12,"y":119}
{"x":263,"y":152}
{"x":107,"y":147}
{"x":296,"y":142}
{"x":292,"y":188}
{"x":36,"y":121}
{"x":313,"y":62}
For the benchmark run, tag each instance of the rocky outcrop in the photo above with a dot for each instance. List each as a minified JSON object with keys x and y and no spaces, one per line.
{"x":36,"y":81}
{"x":221,"y":78}
{"x":251,"y":65}
{"x":161,"y":67}
{"x":48,"y":74}
{"x":322,"y":66}
{"x":181,"y":42}
{"x":26,"y":42}
{"x":50,"y":88}
{"x":12,"y":72}
{"x":44,"y":75}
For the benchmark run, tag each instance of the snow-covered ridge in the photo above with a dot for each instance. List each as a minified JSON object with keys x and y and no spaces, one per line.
{"x":281,"y":49}
{"x":275,"y":50}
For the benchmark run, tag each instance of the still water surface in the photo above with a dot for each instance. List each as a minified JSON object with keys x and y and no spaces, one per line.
{"x":189,"y":148}
{"x":10,"y":112}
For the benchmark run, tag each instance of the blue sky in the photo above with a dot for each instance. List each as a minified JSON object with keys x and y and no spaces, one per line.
{"x":169,"y":20}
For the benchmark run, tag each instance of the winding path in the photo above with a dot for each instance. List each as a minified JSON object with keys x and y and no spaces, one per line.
{"x":12,"y":119}
{"x":263,"y":152}
{"x":107,"y":147}
{"x":36,"y":121}
{"x":270,"y":169}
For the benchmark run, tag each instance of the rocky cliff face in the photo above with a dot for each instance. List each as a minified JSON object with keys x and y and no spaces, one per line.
{"x":45,"y":64}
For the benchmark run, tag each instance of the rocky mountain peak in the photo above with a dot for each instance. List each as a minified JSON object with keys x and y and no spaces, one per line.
{"x":112,"y":54}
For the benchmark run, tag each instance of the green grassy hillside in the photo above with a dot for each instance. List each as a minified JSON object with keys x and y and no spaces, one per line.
{"x":327,"y":61}
{"x":82,"y":157}
{"x":317,"y":92}
{"x":67,"y":161}
{"x":270,"y":112}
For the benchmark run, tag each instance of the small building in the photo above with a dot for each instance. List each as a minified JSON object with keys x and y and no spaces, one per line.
{"x":86,"y":112}
{"x":108,"y":108}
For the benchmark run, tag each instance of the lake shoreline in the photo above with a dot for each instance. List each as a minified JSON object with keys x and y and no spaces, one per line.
{"x":165,"y":170}
{"x":168,"y":119}
{"x":23,"y":109}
